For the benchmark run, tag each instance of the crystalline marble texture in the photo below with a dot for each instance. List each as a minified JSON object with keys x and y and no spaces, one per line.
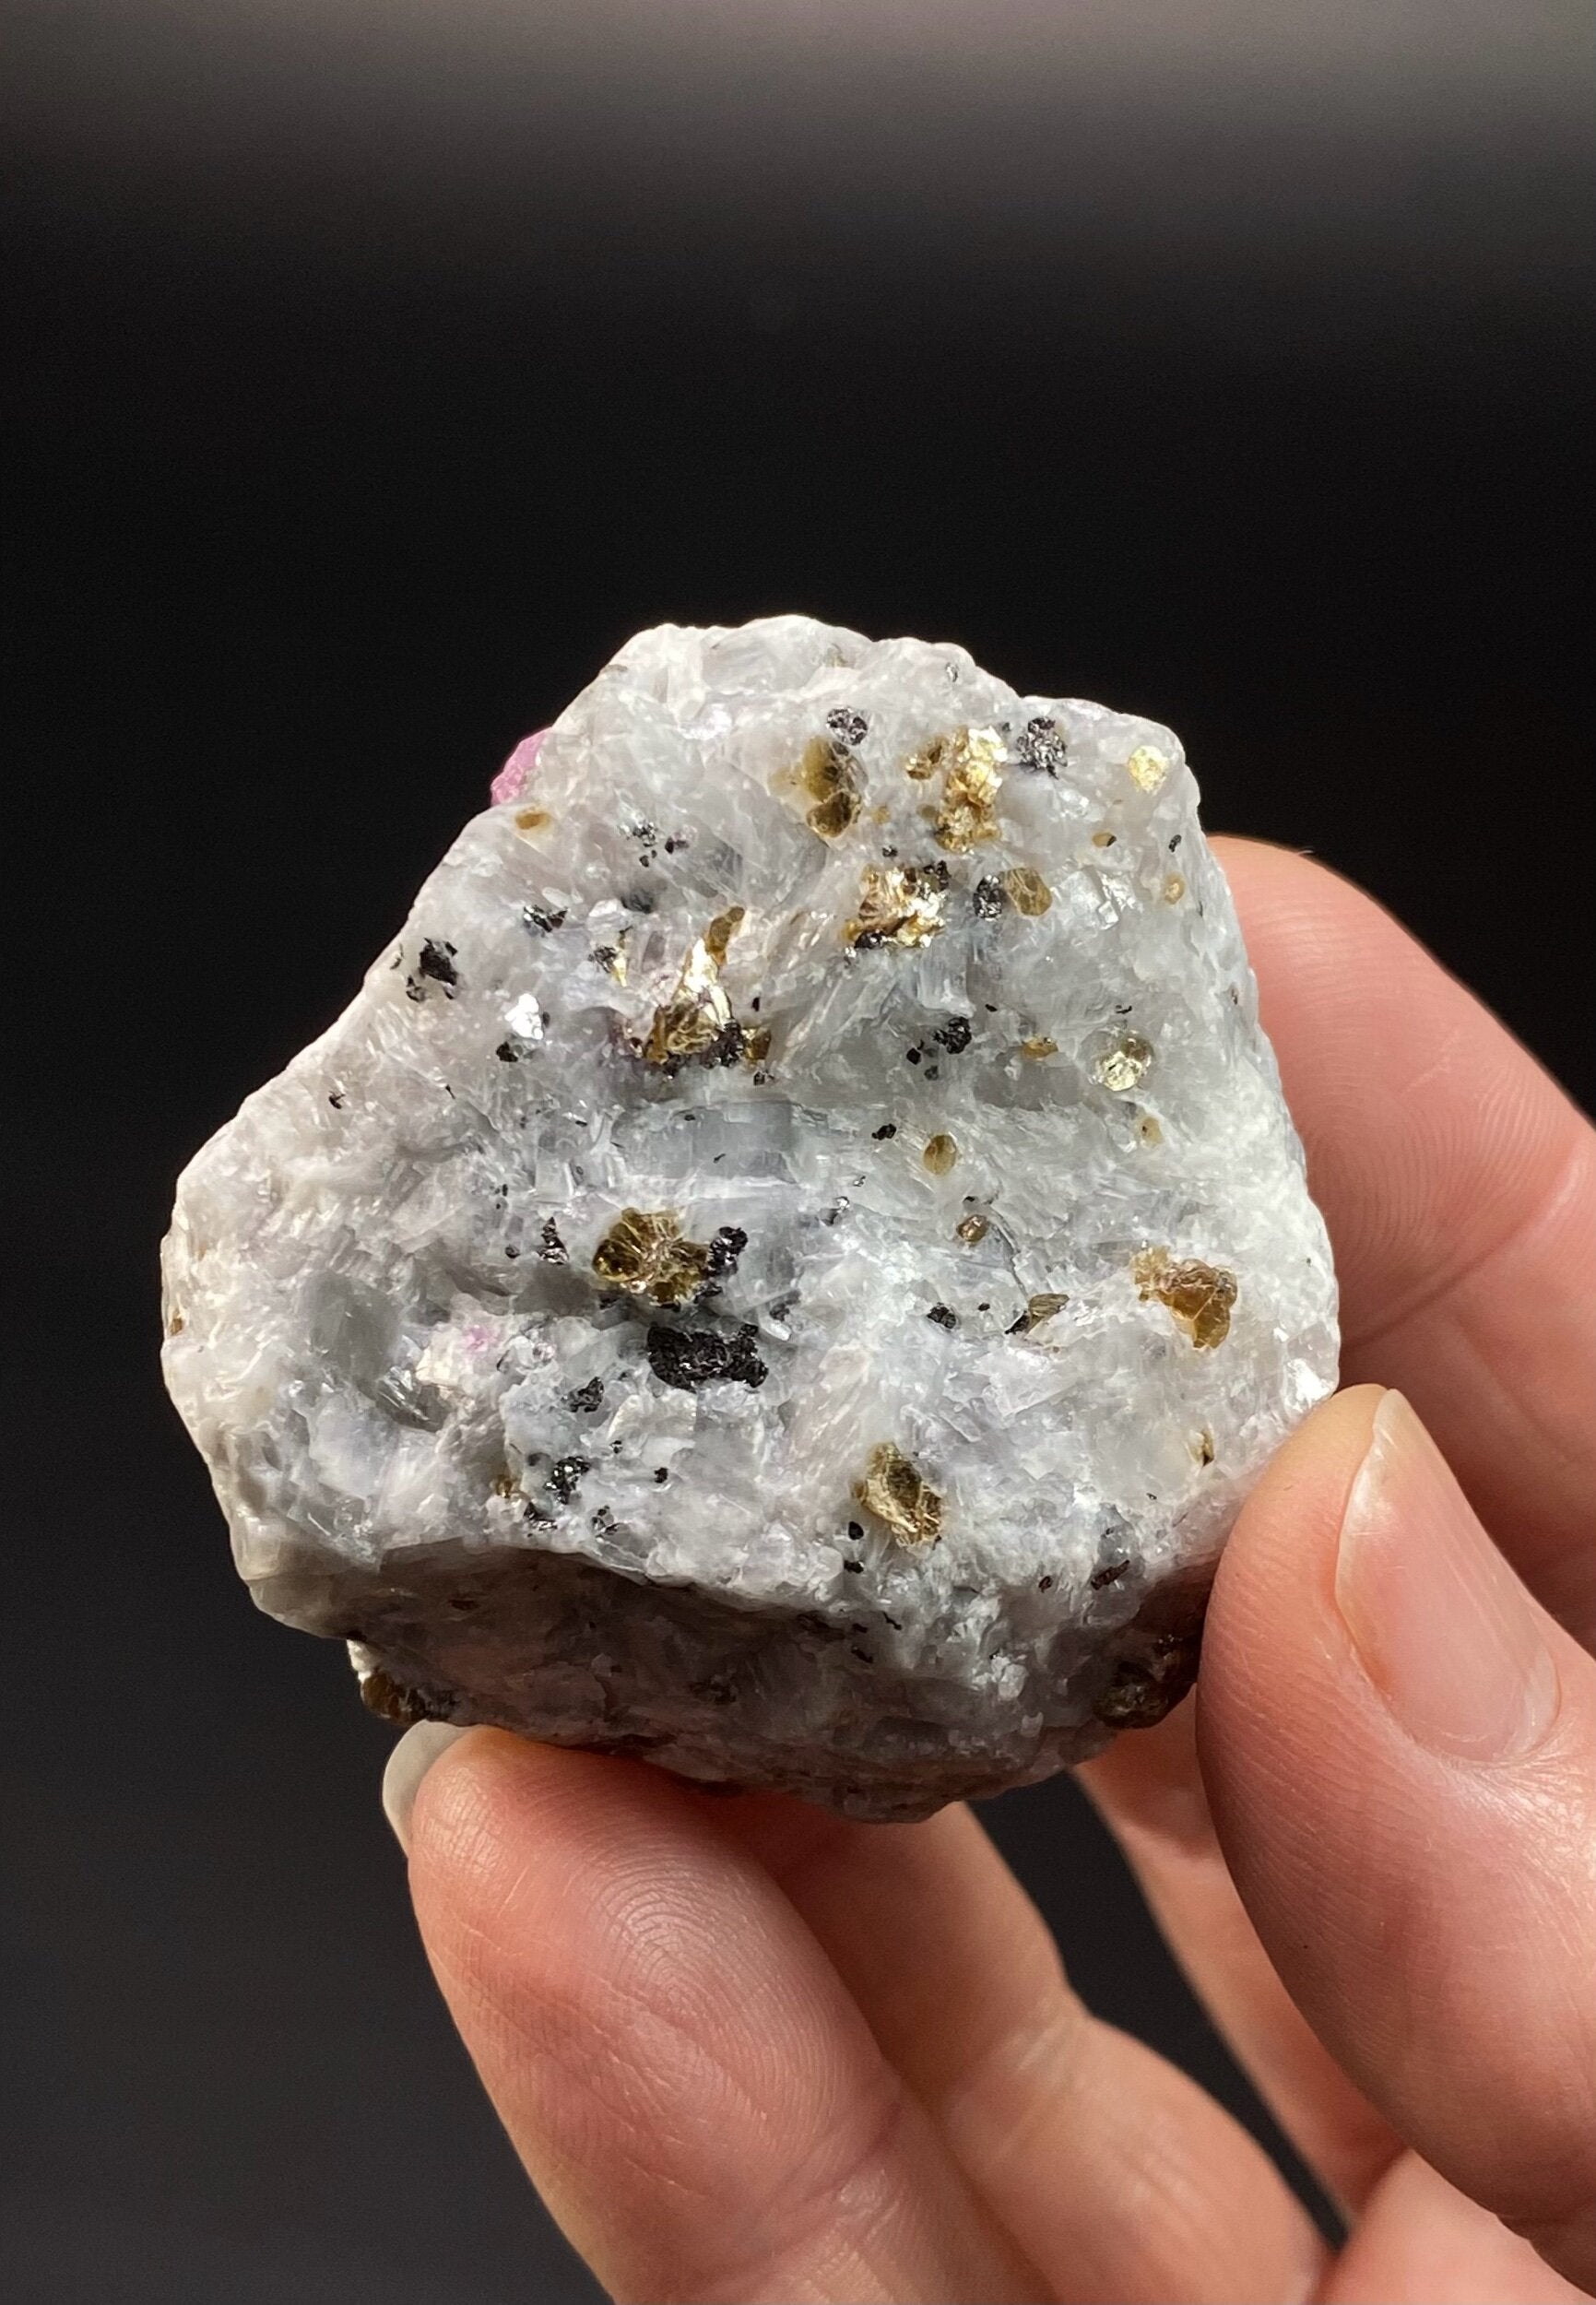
{"x":794,"y":1256}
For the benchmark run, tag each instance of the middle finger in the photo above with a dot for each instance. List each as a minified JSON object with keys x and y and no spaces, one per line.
{"x":1114,"y":2172}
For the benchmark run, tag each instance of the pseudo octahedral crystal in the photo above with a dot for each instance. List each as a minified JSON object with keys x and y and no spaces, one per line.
{"x":793,"y":1259}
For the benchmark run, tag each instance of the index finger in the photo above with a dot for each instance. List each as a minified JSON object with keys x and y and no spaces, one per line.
{"x":1459,"y":1183}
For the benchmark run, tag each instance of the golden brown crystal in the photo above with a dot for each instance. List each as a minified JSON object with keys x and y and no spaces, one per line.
{"x":1041,"y":1307}
{"x":717,"y":937}
{"x":897,"y":904}
{"x":967,"y":814}
{"x":698,"y":1012}
{"x":1027,"y":891}
{"x":1122,"y":1065}
{"x":831,"y":778}
{"x":646,"y":1253}
{"x":933,"y":756}
{"x":894,"y":1491}
{"x":1148,"y":767}
{"x":1197,"y":1295}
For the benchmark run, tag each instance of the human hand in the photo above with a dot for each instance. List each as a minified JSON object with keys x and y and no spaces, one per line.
{"x":748,"y":2050}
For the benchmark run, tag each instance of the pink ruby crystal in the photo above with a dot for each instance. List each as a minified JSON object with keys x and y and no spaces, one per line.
{"x":510,"y":781}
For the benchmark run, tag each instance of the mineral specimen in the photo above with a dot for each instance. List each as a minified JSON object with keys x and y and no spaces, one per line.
{"x":793,"y":1259}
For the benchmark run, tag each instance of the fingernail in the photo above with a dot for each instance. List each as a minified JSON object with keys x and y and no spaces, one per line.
{"x":1445,"y":1630}
{"x":407,"y":1764}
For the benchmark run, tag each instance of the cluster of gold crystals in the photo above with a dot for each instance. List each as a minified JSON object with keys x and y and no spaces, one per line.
{"x":1027,"y":891}
{"x":973,"y":1228}
{"x":646,"y":1253}
{"x":1199,"y":1296}
{"x":933,"y":757}
{"x":897,"y":1494}
{"x":897,"y":904}
{"x":1147,"y":767}
{"x":830,"y":775}
{"x":1038,"y":1046}
{"x":968,"y":813}
{"x":1121,"y":1067}
{"x":698,"y":1012}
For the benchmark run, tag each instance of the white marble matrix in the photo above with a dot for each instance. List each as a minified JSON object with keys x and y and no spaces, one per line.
{"x":883,"y":1451}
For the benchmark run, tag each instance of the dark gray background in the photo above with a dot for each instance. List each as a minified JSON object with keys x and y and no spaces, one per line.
{"x":373,"y":370}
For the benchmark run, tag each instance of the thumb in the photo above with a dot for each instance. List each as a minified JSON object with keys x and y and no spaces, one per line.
{"x":1399,"y":1747}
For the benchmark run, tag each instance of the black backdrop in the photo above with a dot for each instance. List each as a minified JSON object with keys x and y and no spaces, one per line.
{"x":375,"y":368}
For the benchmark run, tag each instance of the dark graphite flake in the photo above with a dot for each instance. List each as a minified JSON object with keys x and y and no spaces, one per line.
{"x":437,"y":962}
{"x":944,"y":1316}
{"x":725,"y":1249}
{"x":851,"y":727}
{"x":955,"y":1036}
{"x":543,"y":918}
{"x":888,"y":1129}
{"x":566,"y":1475}
{"x":585,"y":1397}
{"x":988,"y":900}
{"x":689,"y":1357}
{"x":551,"y":1247}
{"x":1042,"y":746}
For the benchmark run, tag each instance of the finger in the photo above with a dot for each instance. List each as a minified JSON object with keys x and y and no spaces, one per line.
{"x":1459,"y":1187}
{"x":1399,"y":1746}
{"x":1115,"y":2173}
{"x":1422,"y":2243}
{"x":1149,"y":1789}
{"x":677,"y":2064}
{"x":1457,"y":1183}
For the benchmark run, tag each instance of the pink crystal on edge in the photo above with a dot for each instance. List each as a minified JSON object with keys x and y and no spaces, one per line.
{"x":510,"y":781}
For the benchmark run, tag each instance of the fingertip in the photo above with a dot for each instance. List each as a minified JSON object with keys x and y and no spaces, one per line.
{"x":485,"y":1803}
{"x":1271,"y":1632}
{"x":422,"y":1744}
{"x":1285,"y":1535}
{"x":1398,"y":1751}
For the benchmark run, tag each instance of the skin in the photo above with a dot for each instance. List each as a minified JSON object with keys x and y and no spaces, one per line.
{"x":749,"y":2052}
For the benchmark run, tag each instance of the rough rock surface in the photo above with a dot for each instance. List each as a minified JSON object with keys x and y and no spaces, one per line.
{"x":796,"y":1254}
